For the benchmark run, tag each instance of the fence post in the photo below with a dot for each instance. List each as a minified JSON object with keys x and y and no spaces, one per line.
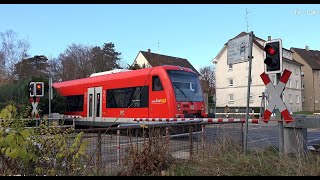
{"x":118,"y":146}
{"x":99,"y":148}
{"x":242,"y":136}
{"x":190,"y":140}
{"x":202,"y":136}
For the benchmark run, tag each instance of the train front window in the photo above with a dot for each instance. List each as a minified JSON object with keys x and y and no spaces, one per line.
{"x":186,"y":86}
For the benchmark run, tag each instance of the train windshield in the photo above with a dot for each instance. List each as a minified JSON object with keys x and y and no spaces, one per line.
{"x":186,"y":86}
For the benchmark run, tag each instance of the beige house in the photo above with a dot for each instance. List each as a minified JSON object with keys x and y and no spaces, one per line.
{"x":232,"y":80}
{"x":310,"y":77}
{"x":147,"y":59}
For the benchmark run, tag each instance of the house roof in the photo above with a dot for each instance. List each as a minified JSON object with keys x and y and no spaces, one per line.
{"x":311,"y":57}
{"x":292,"y":61}
{"x":159,"y":60}
{"x":260,"y":46}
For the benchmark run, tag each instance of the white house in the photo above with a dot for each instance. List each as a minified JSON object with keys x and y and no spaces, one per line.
{"x":232,"y":80}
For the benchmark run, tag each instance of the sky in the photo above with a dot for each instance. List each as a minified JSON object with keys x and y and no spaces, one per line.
{"x":196,"y":32}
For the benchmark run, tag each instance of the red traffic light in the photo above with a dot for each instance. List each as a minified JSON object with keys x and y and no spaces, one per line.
{"x":273,"y":56}
{"x":39,"y":92}
{"x":270,"y":50}
{"x":39,"y":86}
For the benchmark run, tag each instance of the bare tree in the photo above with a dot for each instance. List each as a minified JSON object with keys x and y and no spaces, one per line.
{"x":207,"y":80}
{"x":79,"y":61}
{"x":55,"y":68}
{"x":13,"y":50}
{"x":75,"y":62}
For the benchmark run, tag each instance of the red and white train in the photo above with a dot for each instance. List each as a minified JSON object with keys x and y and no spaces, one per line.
{"x":122,"y":95}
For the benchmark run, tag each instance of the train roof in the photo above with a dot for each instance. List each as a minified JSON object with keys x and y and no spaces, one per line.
{"x":116,"y":75}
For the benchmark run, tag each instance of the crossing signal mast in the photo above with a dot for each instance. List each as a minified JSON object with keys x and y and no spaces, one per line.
{"x":31,"y":89}
{"x":36,"y":89}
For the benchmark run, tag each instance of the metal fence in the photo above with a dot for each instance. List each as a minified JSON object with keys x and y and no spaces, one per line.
{"x":110,"y":150}
{"x":114,"y":149}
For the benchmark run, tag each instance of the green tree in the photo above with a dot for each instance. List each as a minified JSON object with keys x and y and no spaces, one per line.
{"x":105,"y":58}
{"x":32,"y":67}
{"x":134,"y":66}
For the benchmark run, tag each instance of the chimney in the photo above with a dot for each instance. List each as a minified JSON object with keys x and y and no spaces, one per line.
{"x":307,"y":48}
{"x":149,"y":51}
{"x":269,"y":38}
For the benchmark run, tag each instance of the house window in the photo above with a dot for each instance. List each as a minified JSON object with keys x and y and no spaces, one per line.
{"x":251,"y":98}
{"x":296,"y":70}
{"x":230,"y":82}
{"x":290,"y":98}
{"x":297,"y":84}
{"x":297,"y":98}
{"x":230,"y":67}
{"x":231,"y":100}
{"x":289,"y":83}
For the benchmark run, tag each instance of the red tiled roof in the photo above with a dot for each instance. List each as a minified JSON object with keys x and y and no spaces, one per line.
{"x":159,"y":60}
{"x":311,"y":57}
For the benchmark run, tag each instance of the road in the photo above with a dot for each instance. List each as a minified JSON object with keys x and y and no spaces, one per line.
{"x":264,"y":136}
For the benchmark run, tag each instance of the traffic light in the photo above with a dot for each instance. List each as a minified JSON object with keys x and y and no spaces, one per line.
{"x":39,"y":89}
{"x":31,"y":89}
{"x":273,"y":56}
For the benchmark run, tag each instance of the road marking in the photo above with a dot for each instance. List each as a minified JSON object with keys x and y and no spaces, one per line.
{"x":264,"y":139}
{"x":255,"y":128}
{"x":313,"y":130}
{"x":314,"y":140}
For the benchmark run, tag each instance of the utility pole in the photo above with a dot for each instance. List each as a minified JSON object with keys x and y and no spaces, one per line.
{"x":247,"y":21}
{"x":50,"y":94}
{"x":248,"y":91}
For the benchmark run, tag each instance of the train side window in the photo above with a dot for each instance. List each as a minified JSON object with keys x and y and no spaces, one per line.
{"x":75,"y":103}
{"x":156,"y":84}
{"x":137,"y":97}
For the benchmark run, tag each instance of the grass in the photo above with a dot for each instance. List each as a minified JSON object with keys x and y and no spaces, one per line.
{"x":230,"y":161}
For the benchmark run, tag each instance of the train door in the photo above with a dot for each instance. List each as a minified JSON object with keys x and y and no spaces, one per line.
{"x":158,"y":99}
{"x":94,"y":105}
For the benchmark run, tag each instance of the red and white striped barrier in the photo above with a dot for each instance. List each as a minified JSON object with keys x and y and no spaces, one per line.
{"x":276,"y":100}
{"x":72,"y":116}
{"x":209,"y":120}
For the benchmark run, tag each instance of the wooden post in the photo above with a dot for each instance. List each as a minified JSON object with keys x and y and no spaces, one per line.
{"x":190,"y":141}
